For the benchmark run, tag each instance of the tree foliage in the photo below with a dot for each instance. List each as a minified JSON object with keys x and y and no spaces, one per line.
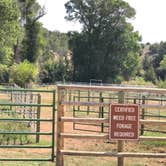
{"x":157,"y":53}
{"x":131,"y":65}
{"x":10,"y":29}
{"x":4,"y":73}
{"x":33,"y":42}
{"x":163,"y":63}
{"x":56,"y":69}
{"x":55,"y":42}
{"x":51,"y":72}
{"x":162,"y":68}
{"x":106,"y":41}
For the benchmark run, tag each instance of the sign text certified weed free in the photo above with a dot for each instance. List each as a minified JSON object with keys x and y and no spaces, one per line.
{"x":124,"y":122}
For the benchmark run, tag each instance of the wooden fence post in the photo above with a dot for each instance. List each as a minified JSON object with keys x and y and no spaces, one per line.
{"x":60,"y":128}
{"x":120,"y":142}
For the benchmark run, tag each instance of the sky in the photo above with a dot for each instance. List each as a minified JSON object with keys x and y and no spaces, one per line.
{"x":150,"y":19}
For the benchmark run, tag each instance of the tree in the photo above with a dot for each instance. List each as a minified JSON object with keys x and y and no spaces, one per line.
{"x":106,"y":38}
{"x":162,"y":68}
{"x":55,"y":42}
{"x":33,"y":42}
{"x":55,"y":63}
{"x":51,"y":72}
{"x":56,"y":68}
{"x":157,"y":52}
{"x":131,"y":65}
{"x":149,"y":74}
{"x":10,"y":29}
{"x":163,"y":63}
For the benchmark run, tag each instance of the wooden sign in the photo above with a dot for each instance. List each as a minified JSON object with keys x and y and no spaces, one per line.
{"x":124,"y":122}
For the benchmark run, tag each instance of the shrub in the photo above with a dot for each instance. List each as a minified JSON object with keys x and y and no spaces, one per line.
{"x":24,"y":73}
{"x":139,"y":81}
{"x":4,"y":73}
{"x":52,"y":71}
{"x":161,"y":84}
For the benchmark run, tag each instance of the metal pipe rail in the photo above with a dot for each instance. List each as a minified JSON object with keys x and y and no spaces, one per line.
{"x":22,"y":119}
{"x":128,"y":98}
{"x":26,"y":146}
{"x":26,"y":159}
{"x":26,"y":105}
{"x":26,"y":133}
{"x":26,"y":90}
{"x":112,"y":88}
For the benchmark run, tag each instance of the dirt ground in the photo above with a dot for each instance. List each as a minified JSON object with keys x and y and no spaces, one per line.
{"x":84,"y":144}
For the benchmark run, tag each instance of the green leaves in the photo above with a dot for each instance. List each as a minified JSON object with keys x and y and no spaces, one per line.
{"x":4,"y":73}
{"x":23,"y":73}
{"x":103,"y":49}
{"x":157,"y":53}
{"x":10,"y":28}
{"x":163,"y":63}
{"x":33,"y":43}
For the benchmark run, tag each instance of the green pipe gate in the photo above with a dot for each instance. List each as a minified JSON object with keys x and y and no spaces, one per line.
{"x":21,"y":128}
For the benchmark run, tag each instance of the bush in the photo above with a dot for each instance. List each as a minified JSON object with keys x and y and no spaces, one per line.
{"x":4,"y":73}
{"x":161,"y":84}
{"x":139,"y":81}
{"x":52,"y":71}
{"x":24,"y":73}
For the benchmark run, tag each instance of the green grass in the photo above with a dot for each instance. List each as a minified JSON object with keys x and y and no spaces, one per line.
{"x":154,"y":143}
{"x":13,"y":138}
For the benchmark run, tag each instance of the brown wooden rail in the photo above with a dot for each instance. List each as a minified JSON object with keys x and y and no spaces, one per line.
{"x":61,"y":135}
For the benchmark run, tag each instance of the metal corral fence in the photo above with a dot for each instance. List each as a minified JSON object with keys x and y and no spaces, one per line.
{"x":95,"y":99}
{"x":24,"y":113}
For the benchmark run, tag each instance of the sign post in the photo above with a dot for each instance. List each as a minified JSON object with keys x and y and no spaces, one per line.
{"x":124,"y":122}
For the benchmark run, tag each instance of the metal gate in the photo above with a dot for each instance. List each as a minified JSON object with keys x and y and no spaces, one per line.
{"x":27,"y":125}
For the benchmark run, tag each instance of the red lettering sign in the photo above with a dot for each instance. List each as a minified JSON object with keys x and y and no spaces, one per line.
{"x":124,"y":122}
